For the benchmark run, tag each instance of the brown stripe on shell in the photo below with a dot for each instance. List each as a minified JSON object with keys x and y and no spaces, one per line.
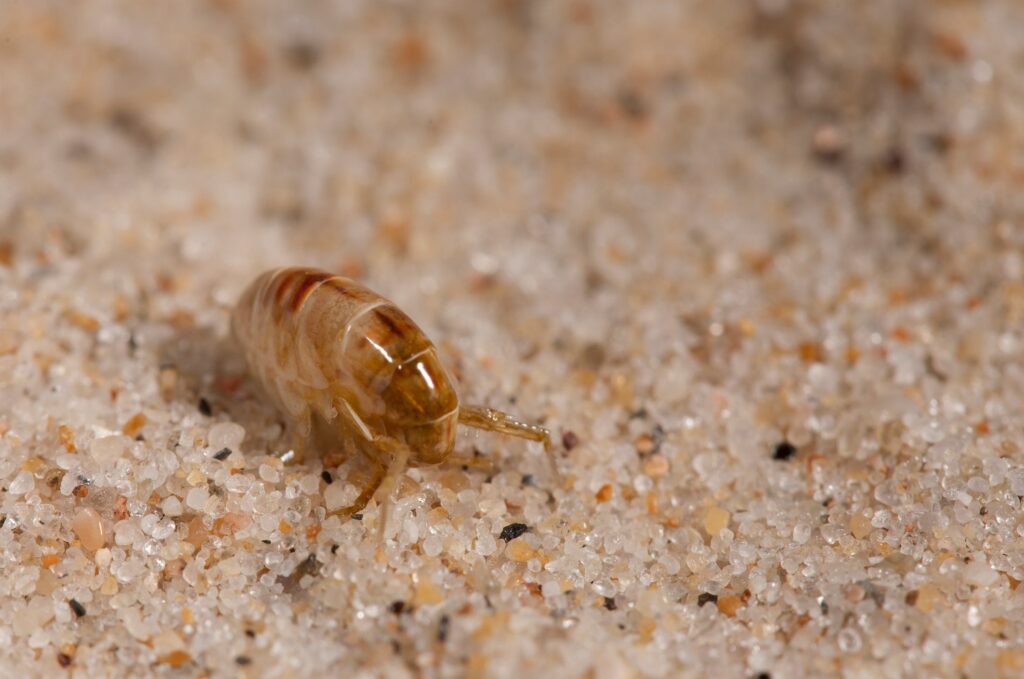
{"x":390,"y":327}
{"x":309,"y":282}
{"x":388,"y":321}
{"x":347,"y":287}
{"x":286,"y":281}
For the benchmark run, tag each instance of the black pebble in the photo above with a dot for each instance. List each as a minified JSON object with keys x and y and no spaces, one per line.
{"x":527,"y":479}
{"x":512,"y":531}
{"x":894,"y":161}
{"x":358,"y":516}
{"x":442,"y":628}
{"x":632,"y":104}
{"x":706,"y":598}
{"x":784,"y":451}
{"x":609,"y":603}
{"x":302,"y":56}
{"x":204,"y":407}
{"x":397,"y":607}
{"x":78,"y":608}
{"x":223,"y":454}
{"x":326,"y":476}
{"x":243,"y":660}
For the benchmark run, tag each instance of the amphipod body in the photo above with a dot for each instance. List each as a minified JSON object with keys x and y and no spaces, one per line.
{"x":354,"y":374}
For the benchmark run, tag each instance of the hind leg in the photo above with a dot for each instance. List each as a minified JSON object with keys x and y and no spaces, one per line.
{"x":314,"y":437}
{"x":302,"y":443}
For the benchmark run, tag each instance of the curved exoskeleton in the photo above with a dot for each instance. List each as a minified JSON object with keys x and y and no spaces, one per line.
{"x":355,"y":374}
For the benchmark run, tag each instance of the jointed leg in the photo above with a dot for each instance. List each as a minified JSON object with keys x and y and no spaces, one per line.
{"x":399,"y":461}
{"x":303,"y":439}
{"x":379,"y":472}
{"x":383,"y":480}
{"x":299,"y":452}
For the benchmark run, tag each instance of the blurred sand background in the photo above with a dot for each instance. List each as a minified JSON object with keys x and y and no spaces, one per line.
{"x":681,"y":234}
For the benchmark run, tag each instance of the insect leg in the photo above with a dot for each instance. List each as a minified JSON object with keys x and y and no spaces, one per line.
{"x":481,"y":417}
{"x":379,"y":473}
{"x":399,"y":461}
{"x":303,"y":441}
{"x":301,"y":450}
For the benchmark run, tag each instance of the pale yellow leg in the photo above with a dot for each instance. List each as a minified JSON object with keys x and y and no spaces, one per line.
{"x":302,"y":438}
{"x":383,"y":481}
{"x":300,"y":451}
{"x":379,"y":473}
{"x":399,"y":461}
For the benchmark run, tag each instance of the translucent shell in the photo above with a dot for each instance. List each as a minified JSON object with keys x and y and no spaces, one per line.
{"x":354,"y":373}
{"x":325,"y":346}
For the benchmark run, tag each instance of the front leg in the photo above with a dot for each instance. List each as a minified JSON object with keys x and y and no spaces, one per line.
{"x":384,"y":479}
{"x":376,"y":479}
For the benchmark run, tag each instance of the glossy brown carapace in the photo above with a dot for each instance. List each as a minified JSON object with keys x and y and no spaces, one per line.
{"x":354,"y":373}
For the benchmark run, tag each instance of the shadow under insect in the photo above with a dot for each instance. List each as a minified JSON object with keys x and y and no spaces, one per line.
{"x":351,"y":378}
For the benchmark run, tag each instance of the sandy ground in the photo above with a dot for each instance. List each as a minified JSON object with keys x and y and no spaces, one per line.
{"x":758,"y":265}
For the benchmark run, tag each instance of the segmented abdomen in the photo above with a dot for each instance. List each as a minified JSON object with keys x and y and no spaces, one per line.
{"x":317,"y":340}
